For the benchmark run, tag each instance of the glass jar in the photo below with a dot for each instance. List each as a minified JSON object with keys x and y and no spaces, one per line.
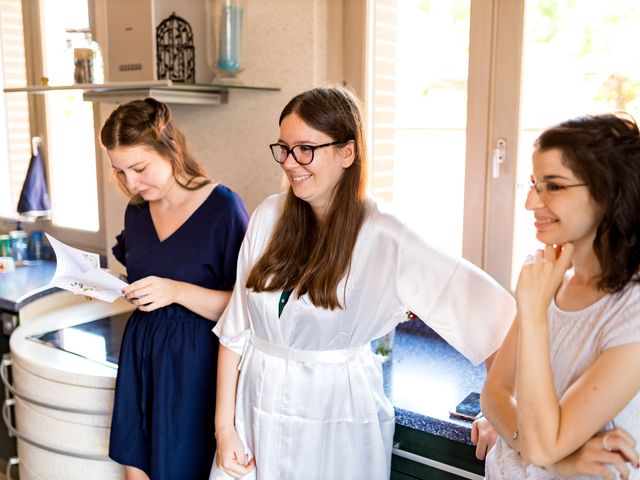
{"x":87,"y":57}
{"x":19,"y":245}
{"x":383,"y":346}
{"x":225,"y":20}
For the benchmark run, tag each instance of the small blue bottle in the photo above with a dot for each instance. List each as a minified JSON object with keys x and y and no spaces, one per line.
{"x":35,"y":246}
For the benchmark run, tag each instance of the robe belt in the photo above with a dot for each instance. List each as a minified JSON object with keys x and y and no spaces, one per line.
{"x":309,"y":356}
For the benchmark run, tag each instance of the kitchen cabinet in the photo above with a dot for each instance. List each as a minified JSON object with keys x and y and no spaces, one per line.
{"x":420,"y":455}
{"x":425,"y":378}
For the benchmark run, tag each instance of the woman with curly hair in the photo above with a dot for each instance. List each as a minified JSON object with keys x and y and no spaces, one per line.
{"x":564,"y":390}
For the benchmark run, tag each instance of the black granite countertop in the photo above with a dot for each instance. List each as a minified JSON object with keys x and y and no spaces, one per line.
{"x":425,"y":378}
{"x":26,"y":284}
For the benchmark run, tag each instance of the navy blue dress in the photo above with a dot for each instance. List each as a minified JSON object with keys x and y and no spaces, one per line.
{"x":163,"y":417}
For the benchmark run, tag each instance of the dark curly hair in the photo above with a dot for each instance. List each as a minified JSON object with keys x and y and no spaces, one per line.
{"x":604,"y":152}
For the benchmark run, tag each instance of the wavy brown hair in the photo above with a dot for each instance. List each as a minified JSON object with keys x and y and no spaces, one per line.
{"x":306,"y":254}
{"x":603,"y":151}
{"x":147,"y":123}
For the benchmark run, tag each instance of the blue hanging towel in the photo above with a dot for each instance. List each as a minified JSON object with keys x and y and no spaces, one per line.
{"x":34,"y":199}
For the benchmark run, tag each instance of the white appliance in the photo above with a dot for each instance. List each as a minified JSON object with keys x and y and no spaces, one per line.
{"x":131,"y":53}
{"x":61,"y":402}
{"x":131,"y":37}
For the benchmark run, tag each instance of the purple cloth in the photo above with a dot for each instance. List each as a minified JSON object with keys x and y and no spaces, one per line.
{"x":34,"y":199}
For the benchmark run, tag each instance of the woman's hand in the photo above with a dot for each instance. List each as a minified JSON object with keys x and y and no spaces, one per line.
{"x":483,"y":436}
{"x":151,"y":293}
{"x":231,"y":457}
{"x":615,"y":447}
{"x":541,"y":276}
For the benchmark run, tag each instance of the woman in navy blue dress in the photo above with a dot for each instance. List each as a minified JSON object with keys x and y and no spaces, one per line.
{"x":180,"y":243}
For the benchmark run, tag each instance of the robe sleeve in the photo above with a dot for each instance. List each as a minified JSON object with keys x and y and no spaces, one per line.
{"x":234,"y":326}
{"x":458,"y":300}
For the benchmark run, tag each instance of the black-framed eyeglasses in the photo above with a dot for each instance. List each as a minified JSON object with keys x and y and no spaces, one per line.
{"x":303,"y":154}
{"x":549,"y":187}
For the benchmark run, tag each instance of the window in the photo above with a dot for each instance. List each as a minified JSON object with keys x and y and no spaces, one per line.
{"x":448,"y":83}
{"x":15,"y":141}
{"x":68,"y":121}
{"x":579,"y":57}
{"x":63,"y":120}
{"x":418,"y":119}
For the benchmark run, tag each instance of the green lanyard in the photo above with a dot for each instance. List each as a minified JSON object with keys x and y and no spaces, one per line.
{"x":284,"y":298}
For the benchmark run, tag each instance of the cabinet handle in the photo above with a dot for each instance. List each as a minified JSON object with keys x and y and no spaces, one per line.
{"x":10,"y":463}
{"x":6,"y":416}
{"x":4,"y":367}
{"x":435,"y":464}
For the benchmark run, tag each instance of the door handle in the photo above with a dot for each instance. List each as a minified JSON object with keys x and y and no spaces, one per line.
{"x":499,"y":154}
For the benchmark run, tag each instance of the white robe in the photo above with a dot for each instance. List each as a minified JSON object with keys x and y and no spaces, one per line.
{"x":310,"y":401}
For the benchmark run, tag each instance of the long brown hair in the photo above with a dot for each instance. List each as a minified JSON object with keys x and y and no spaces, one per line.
{"x":309,"y":255}
{"x":603,"y":151}
{"x":147,"y":123}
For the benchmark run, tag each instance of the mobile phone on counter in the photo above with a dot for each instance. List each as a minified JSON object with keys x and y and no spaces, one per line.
{"x":468,"y":409}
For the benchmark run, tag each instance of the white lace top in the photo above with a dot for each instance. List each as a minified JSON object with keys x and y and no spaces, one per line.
{"x":576,"y":340}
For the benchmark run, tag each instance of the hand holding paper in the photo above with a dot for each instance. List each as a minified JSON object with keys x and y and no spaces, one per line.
{"x":79,"y":272}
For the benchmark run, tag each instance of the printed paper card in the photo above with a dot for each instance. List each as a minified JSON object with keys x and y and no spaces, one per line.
{"x":79,"y":272}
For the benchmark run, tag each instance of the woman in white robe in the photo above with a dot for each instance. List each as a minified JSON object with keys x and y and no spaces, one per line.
{"x":300,"y":394}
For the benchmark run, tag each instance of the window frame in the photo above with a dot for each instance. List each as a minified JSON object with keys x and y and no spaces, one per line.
{"x":495,"y":46}
{"x":37,"y":113}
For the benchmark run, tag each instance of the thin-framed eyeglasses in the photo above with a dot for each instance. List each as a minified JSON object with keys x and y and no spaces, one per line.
{"x":303,"y":154}
{"x":548,"y":187}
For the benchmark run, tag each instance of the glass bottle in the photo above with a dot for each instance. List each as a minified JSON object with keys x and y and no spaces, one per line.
{"x":225,"y":20}
{"x":19,"y":245}
{"x":5,"y":246}
{"x":87,"y":57}
{"x":35,"y":245}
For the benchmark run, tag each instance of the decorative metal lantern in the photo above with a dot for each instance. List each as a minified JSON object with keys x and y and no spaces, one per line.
{"x":175,"y":52}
